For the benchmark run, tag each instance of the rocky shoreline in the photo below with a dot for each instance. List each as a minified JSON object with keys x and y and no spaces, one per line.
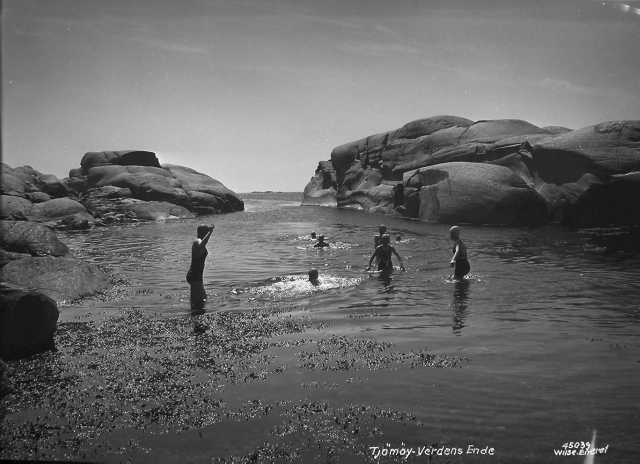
{"x":450,"y":169}
{"x":111,"y":187}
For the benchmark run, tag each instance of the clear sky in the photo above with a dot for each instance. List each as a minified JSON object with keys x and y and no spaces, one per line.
{"x":256,"y":92}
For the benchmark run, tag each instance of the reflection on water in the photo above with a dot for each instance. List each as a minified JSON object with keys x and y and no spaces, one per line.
{"x":459,"y":304}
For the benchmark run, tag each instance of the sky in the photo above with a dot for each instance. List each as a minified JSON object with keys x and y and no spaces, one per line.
{"x":255,"y":92}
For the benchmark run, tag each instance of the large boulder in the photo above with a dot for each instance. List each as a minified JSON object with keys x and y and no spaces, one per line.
{"x":61,"y":213}
{"x":29,"y":237}
{"x":14,"y":208}
{"x":28,"y":322}
{"x":62,"y":279}
{"x":476,"y":193}
{"x":569,"y":171}
{"x":25,"y":180}
{"x":131,"y":185}
{"x":321,"y":189}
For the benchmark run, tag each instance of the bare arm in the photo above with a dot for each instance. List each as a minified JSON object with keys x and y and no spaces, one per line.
{"x":393,"y":250}
{"x":371,"y":259}
{"x":206,"y":238}
{"x":455,"y":254}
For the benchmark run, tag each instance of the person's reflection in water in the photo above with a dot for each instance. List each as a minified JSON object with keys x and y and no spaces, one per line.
{"x":459,"y":304}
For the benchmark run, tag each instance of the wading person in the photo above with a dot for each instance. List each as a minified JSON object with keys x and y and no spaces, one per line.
{"x":459,"y":261}
{"x":194,"y":275}
{"x":383,"y":255}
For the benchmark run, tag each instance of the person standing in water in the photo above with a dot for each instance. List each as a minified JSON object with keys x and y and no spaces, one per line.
{"x":459,"y":261}
{"x":194,"y":275}
{"x":383,"y":255}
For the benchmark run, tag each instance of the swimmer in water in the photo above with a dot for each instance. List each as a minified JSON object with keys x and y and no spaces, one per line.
{"x":313,"y":277}
{"x":194,"y":275}
{"x":383,"y":255}
{"x":377,"y":239}
{"x":313,"y":235}
{"x":321,"y":243}
{"x":459,"y":261}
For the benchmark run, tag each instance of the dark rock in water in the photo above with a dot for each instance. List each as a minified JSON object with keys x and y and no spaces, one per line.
{"x":613,"y":202}
{"x":29,"y":237}
{"x":130,"y":186}
{"x":562,"y":169}
{"x":28,"y":322}
{"x":63,"y":279}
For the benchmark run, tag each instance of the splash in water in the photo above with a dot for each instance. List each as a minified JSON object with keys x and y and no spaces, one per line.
{"x":297,"y":285}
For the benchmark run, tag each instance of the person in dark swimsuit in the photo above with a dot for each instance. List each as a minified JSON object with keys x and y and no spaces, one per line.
{"x":321,"y":243}
{"x":377,"y":239}
{"x":194,"y":275}
{"x":459,"y":261}
{"x":383,"y":255}
{"x":313,"y":277}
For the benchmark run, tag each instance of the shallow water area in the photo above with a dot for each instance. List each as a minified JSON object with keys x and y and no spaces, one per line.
{"x":540,"y":346}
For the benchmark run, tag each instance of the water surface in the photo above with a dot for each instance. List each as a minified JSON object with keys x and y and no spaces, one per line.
{"x":548,"y":321}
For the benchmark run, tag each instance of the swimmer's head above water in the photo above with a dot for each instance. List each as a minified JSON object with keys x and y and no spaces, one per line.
{"x":313,"y":276}
{"x":385,"y":239}
{"x":382,"y":229}
{"x":454,"y":232}
{"x":313,"y":235}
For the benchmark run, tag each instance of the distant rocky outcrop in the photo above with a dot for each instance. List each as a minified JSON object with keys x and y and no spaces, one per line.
{"x":112,"y":186}
{"x":450,"y":169}
{"x":132,"y":185}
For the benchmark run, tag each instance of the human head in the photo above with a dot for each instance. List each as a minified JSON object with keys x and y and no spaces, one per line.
{"x":321,"y":238}
{"x":386,"y":238}
{"x":454,"y":232}
{"x":202,"y":230}
{"x":382,"y":229}
{"x":313,"y":235}
{"x":313,"y":276}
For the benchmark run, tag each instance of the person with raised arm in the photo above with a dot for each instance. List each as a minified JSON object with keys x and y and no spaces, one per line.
{"x":198,"y":257}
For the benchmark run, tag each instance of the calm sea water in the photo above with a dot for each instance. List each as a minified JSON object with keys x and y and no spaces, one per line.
{"x":549,"y":320}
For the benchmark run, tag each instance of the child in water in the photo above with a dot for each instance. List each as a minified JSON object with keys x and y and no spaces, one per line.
{"x":383,"y":254}
{"x":321,"y":243}
{"x":313,"y":277}
{"x":459,"y":261}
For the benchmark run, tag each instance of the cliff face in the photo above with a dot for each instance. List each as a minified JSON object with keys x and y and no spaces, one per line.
{"x":450,"y":169}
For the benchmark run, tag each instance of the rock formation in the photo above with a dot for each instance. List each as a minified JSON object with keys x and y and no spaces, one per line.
{"x":27,"y":322}
{"x":450,"y":169}
{"x":111,"y":186}
{"x":132,"y":185}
